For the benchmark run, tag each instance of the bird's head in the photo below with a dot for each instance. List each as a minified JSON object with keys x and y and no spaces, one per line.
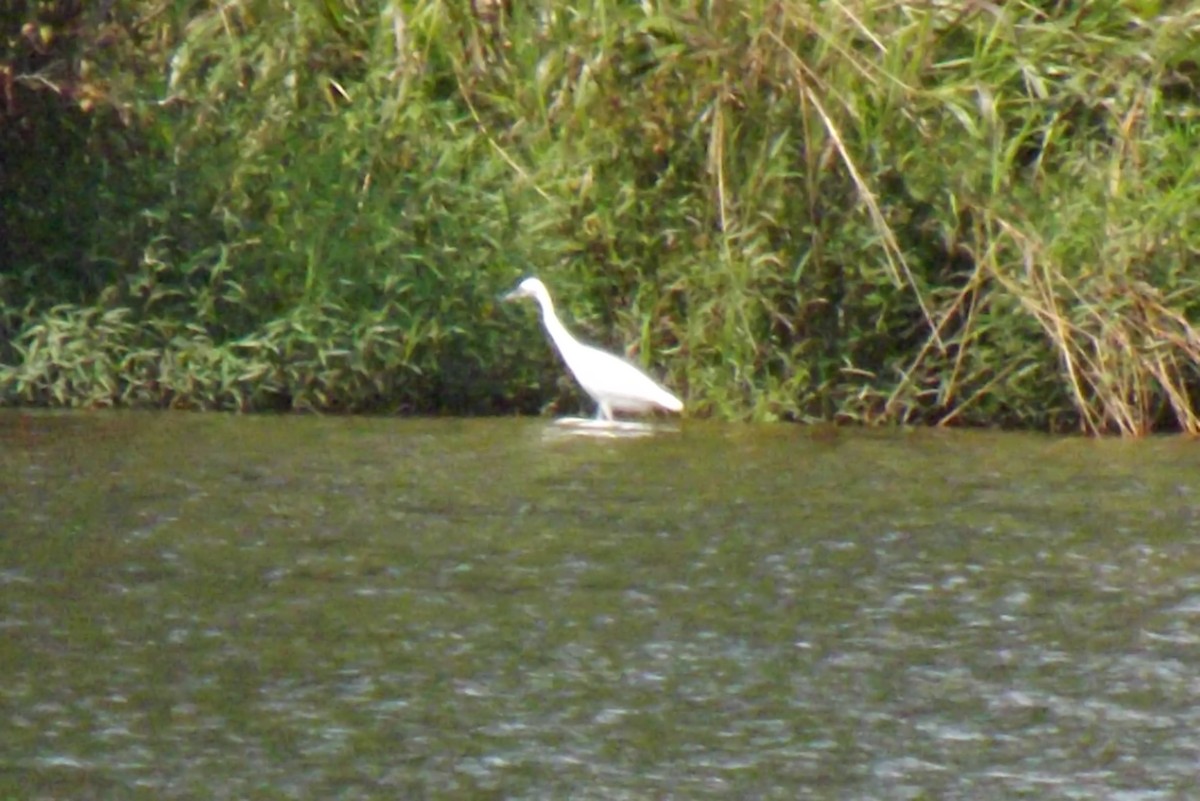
{"x":529,"y":288}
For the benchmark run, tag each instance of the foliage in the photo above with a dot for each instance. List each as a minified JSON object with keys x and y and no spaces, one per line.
{"x":937,"y":212}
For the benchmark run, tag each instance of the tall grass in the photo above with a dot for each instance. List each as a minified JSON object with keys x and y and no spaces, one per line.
{"x":918,"y":212}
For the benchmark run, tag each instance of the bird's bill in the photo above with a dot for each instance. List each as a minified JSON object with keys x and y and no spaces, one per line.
{"x":516,"y":294}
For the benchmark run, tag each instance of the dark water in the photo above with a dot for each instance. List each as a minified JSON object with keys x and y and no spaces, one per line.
{"x":252,"y":607}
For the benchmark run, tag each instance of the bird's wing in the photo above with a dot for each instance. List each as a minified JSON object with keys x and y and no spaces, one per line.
{"x":604,"y":375}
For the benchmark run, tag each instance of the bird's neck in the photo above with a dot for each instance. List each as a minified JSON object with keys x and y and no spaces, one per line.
{"x":558,"y":332}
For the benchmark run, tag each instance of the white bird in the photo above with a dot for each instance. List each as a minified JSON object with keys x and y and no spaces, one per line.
{"x":615,"y":384}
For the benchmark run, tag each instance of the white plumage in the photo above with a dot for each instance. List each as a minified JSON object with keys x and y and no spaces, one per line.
{"x":615,"y":384}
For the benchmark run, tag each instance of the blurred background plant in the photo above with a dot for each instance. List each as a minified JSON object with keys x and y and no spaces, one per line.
{"x":960,"y":213}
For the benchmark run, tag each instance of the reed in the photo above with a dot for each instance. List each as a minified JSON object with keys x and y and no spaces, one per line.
{"x":968,"y":214}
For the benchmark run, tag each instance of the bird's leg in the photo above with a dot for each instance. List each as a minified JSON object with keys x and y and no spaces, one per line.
{"x":603,"y":412}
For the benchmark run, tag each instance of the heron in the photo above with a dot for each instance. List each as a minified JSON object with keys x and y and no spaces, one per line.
{"x":613,"y":383}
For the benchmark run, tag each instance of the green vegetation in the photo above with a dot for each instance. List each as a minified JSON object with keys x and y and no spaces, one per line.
{"x":963,"y":213}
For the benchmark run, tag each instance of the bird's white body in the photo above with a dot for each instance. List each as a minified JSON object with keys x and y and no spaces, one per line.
{"x":615,"y":384}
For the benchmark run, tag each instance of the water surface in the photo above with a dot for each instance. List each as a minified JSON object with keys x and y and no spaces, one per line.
{"x":217,"y":607}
